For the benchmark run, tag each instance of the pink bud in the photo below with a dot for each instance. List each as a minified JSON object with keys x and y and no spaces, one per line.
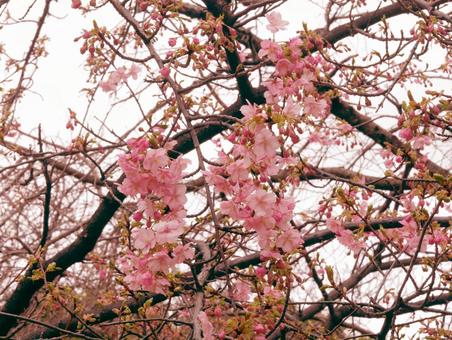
{"x":172,"y":42}
{"x":165,"y":72}
{"x":280,"y":264}
{"x":143,"y":6}
{"x":102,"y":274}
{"x":259,"y":329}
{"x":217,"y":312}
{"x":76,"y":4}
{"x":137,"y":216}
{"x":260,"y":272}
{"x":406,"y":133}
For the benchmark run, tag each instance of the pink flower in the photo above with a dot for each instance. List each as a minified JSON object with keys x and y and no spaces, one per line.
{"x":316,"y":137}
{"x":421,"y":141}
{"x":306,"y":81}
{"x":137,"y":216}
{"x":291,"y":110}
{"x":146,"y":206}
{"x":132,"y":187}
{"x":238,"y":170}
{"x":289,"y":240}
{"x":271,"y":49}
{"x":155,"y":159}
{"x":145,"y":280}
{"x":262,"y":202}
{"x":241,"y":291}
{"x":388,"y":163}
{"x":315,"y":107}
{"x":217,"y":312}
{"x":114,"y":79}
{"x":268,"y":254}
{"x":133,"y":71}
{"x":174,"y":196}
{"x":231,"y":209}
{"x":118,"y":75}
{"x":182,"y":253}
{"x":172,"y":42}
{"x":220,"y":183}
{"x":347,"y":239}
{"x":334,"y":225}
{"x":168,"y":231}
{"x":275,"y":22}
{"x":345,"y":128}
{"x":439,"y":237}
{"x":406,"y":134}
{"x":408,"y":202}
{"x":272,"y":293}
{"x":283,"y":67}
{"x":265,"y":144}
{"x":138,"y":144}
{"x":264,"y":225}
{"x":144,"y":239}
{"x":160,"y":262}
{"x":177,"y":168}
{"x":107,"y":86}
{"x":102,"y":274}
{"x":283,"y":212}
{"x":249,"y":111}
{"x":409,"y":225}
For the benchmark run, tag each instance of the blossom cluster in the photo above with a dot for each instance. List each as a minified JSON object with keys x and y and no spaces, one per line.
{"x":155,"y":179}
{"x":259,"y":152}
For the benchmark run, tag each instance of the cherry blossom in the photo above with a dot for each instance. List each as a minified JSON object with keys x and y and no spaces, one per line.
{"x":261,"y":202}
{"x":419,"y":142}
{"x":144,"y":238}
{"x":265,"y":144}
{"x":168,"y":231}
{"x":241,"y":291}
{"x":271,"y":50}
{"x":291,"y":109}
{"x":315,"y":107}
{"x":115,"y":78}
{"x":275,"y":22}
{"x":289,"y":240}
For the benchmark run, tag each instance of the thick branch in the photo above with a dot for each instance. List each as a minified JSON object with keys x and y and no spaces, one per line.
{"x":375,"y":132}
{"x":368,"y":19}
{"x":76,"y":252}
{"x":242,"y":263}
